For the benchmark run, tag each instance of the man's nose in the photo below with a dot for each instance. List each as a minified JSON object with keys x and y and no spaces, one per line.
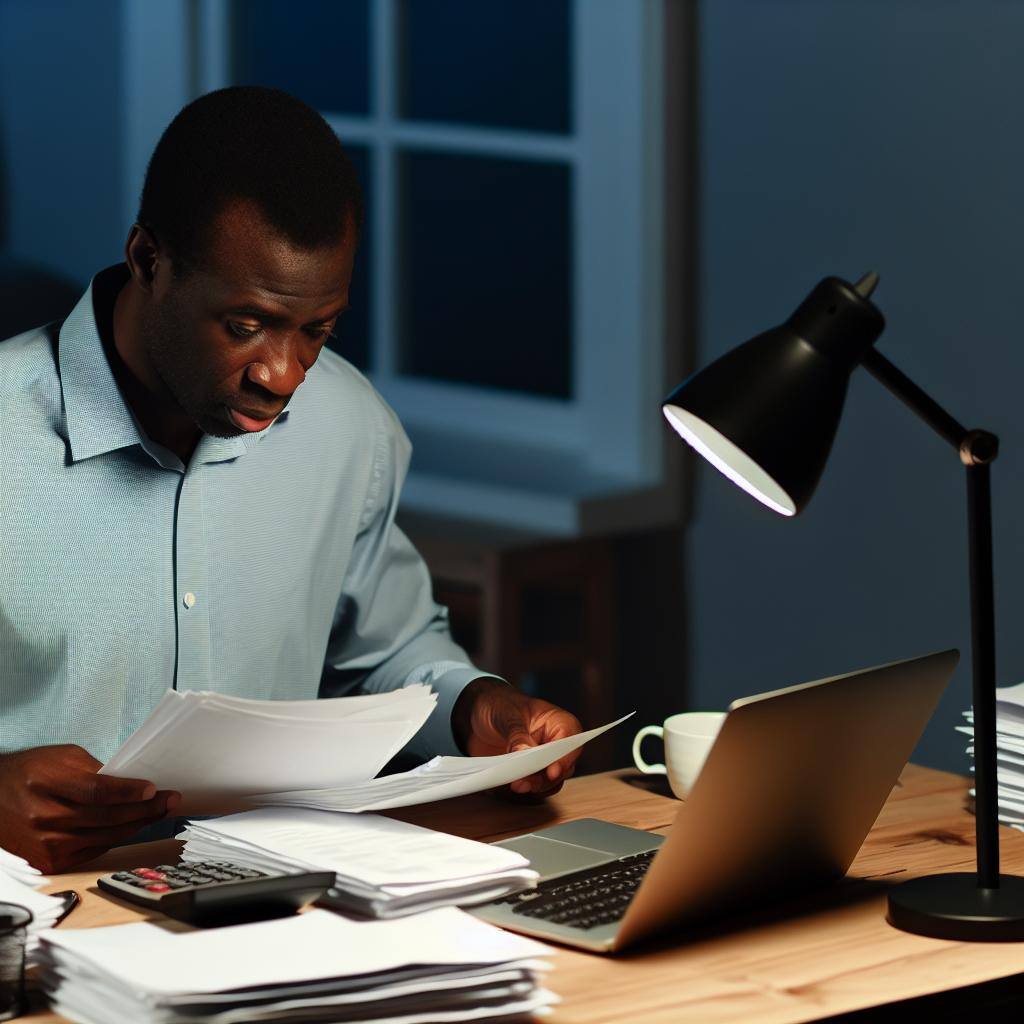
{"x":278,"y":369}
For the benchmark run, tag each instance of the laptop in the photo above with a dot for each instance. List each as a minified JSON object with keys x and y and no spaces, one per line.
{"x":790,"y":788}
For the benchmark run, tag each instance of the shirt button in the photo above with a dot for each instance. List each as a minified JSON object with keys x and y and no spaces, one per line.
{"x":189,"y":599}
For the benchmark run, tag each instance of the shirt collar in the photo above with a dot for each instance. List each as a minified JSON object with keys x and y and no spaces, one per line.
{"x":98,"y":418}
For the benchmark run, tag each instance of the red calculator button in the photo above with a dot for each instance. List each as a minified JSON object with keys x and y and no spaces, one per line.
{"x":158,"y":887}
{"x":157,"y":876}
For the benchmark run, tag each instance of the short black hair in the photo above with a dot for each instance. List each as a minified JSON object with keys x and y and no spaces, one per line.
{"x":253,"y":143}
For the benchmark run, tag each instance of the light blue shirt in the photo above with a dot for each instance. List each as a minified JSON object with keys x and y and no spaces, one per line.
{"x":268,"y":564}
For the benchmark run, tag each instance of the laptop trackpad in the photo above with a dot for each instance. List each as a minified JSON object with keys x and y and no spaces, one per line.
{"x":549,"y":857}
{"x":579,"y":844}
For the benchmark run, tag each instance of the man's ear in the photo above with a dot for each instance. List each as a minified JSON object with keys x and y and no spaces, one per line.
{"x":143,"y":256}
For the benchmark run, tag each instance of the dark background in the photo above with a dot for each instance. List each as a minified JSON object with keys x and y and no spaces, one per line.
{"x":828,"y":136}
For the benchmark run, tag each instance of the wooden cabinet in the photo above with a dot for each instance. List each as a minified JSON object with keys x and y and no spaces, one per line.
{"x":537,"y":611}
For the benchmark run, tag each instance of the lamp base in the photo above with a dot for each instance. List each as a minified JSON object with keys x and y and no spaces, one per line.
{"x":953,"y":907}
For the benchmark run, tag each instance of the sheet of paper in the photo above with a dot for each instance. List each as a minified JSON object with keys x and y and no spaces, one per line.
{"x":371,"y":848}
{"x":1011,"y":695}
{"x":304,"y":947}
{"x":20,"y":869}
{"x":439,"y":779}
{"x":209,"y":745}
{"x":44,"y":909}
{"x":92,"y":1007}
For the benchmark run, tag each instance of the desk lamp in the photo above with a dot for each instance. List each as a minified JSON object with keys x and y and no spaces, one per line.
{"x":765,"y":415}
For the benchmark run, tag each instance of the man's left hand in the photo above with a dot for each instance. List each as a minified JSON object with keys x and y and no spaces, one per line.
{"x":494,"y":718}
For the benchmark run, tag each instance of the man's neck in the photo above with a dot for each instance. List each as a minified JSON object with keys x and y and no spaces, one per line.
{"x":160,"y":417}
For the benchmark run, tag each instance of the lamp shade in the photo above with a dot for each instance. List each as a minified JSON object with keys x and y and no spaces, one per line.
{"x":766,"y":413}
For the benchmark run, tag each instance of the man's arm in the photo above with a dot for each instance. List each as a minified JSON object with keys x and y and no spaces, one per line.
{"x":388,"y":632}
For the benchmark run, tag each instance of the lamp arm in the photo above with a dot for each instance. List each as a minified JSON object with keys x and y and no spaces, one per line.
{"x":977,"y":450}
{"x":908,"y":392}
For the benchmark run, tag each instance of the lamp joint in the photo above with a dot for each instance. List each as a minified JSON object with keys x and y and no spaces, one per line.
{"x":978,"y":448}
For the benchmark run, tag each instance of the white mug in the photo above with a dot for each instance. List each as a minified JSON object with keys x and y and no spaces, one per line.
{"x":688,"y":739}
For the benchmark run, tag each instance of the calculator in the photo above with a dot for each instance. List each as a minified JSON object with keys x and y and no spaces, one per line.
{"x":216,"y":892}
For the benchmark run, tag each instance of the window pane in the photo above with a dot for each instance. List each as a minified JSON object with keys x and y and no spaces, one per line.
{"x":500,"y":63}
{"x":486,"y":272}
{"x":353,"y":331}
{"x":318,"y":50}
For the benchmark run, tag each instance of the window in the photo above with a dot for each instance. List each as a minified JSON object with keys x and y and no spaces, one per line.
{"x":508,"y":299}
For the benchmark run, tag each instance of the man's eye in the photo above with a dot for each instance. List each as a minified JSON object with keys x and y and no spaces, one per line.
{"x":241,"y":330}
{"x":321,"y":333}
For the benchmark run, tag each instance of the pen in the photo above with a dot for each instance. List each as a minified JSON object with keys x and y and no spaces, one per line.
{"x":71,"y":899}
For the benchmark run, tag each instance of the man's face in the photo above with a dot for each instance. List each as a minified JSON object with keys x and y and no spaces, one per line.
{"x":232,"y":339}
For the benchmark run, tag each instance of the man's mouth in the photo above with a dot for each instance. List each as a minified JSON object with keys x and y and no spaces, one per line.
{"x":249,"y":421}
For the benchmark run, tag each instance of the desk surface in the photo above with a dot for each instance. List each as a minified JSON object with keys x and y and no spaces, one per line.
{"x":833,"y":954}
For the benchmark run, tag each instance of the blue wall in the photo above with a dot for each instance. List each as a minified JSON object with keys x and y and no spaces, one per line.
{"x":838,"y":137}
{"x":60,"y":133}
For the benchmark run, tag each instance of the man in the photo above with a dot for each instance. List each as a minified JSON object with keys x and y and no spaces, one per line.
{"x":195,"y":494}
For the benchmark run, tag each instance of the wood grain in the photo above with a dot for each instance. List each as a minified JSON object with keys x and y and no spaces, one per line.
{"x":823,"y":955}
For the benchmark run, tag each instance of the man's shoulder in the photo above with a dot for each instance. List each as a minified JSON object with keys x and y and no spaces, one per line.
{"x":28,"y":361}
{"x":342,"y":397}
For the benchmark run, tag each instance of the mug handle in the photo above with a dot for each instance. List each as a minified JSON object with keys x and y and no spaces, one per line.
{"x":648,"y":769}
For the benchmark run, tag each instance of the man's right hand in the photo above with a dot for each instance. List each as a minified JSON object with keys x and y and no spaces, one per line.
{"x":55,"y":811}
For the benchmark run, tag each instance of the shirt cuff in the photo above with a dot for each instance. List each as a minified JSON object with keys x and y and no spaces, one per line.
{"x":436,"y":736}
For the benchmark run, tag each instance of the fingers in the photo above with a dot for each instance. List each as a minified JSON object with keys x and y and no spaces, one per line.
{"x":65,"y":817}
{"x":517,"y":735}
{"x":547,"y":781}
{"x":564,"y":766}
{"x":101,"y":790}
{"x":539,"y":783}
{"x":107,"y":837}
{"x":55,"y":851}
{"x":551,"y":724}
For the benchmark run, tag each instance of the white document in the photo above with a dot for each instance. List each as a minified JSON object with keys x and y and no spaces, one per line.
{"x":438,"y":779}
{"x":371,"y":848}
{"x":1009,"y":753}
{"x":388,"y":867}
{"x":1011,"y":697}
{"x":207,"y":745}
{"x":438,"y":966}
{"x":20,"y":869}
{"x":44,"y":909}
{"x":304,"y":947}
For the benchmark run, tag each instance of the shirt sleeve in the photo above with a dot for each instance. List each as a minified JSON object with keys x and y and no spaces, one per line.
{"x":388,"y":631}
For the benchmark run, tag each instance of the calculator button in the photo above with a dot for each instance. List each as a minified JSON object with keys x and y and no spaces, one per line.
{"x":156,"y":876}
{"x":123,"y":876}
{"x":177,"y":883}
{"x":158,"y":887}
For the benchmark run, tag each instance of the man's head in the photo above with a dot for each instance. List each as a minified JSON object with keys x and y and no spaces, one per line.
{"x":241,"y":257}
{"x":255,"y":144}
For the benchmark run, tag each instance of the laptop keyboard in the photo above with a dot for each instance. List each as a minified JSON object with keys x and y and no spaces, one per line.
{"x":585,"y":899}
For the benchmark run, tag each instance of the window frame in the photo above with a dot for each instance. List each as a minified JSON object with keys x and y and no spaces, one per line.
{"x":610,"y":427}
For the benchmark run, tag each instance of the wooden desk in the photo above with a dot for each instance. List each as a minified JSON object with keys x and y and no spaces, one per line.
{"x":835,"y":954}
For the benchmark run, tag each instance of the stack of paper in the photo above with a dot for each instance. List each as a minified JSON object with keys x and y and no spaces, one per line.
{"x":439,"y":779}
{"x":209,"y":746}
{"x":18,"y":884}
{"x":20,"y":870}
{"x":384,"y":868}
{"x":1009,"y":752}
{"x":230,"y":752}
{"x":440,"y":966}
